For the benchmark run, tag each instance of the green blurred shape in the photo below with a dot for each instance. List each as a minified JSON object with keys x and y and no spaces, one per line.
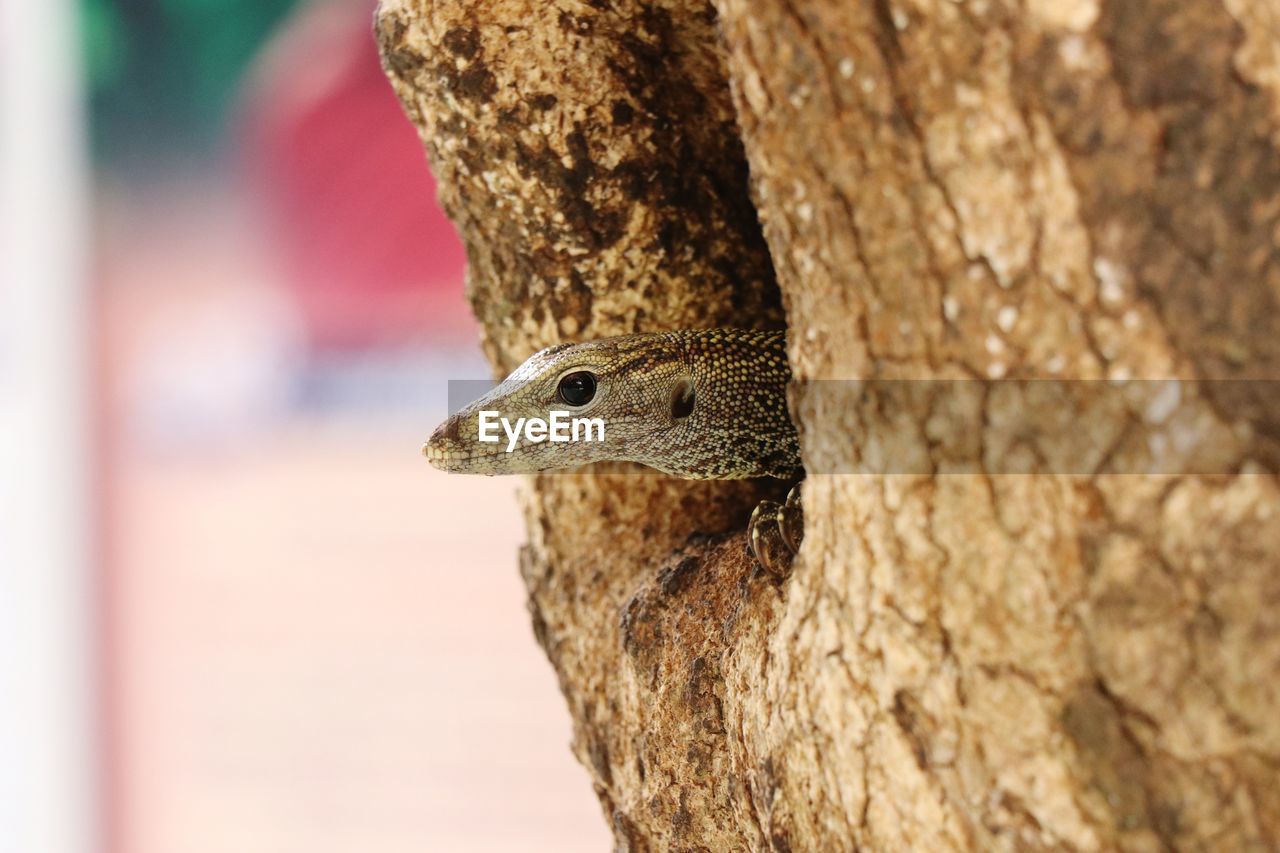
{"x":163,"y":74}
{"x":105,"y":44}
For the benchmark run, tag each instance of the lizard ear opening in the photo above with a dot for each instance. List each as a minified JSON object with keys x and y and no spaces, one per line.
{"x":682,"y":399}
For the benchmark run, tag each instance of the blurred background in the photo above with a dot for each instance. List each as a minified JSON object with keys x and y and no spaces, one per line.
{"x":238,"y":612}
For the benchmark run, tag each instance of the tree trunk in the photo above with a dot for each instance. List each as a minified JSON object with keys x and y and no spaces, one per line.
{"x":1079,"y":656}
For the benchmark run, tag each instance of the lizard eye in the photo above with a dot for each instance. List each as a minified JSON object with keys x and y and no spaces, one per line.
{"x":577,"y":389}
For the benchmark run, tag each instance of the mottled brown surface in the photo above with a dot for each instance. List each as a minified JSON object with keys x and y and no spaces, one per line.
{"x":1044,"y":189}
{"x":1052,"y":188}
{"x":588,"y":154}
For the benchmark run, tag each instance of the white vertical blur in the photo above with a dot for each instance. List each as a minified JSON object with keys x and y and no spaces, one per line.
{"x":46,"y":696}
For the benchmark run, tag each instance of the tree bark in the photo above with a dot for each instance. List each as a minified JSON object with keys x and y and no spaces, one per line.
{"x":1078,"y":656}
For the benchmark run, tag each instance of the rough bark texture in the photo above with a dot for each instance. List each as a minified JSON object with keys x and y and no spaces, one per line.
{"x":1052,"y":188}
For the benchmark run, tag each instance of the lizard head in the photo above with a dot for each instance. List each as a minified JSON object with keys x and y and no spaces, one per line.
{"x":619,"y":399}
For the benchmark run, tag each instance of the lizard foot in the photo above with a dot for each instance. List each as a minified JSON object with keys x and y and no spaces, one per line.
{"x":775,"y":532}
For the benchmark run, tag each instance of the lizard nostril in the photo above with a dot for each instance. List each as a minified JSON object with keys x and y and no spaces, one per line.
{"x":446,"y":433}
{"x":440,"y":448}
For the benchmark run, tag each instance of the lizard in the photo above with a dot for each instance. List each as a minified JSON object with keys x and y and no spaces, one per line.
{"x":706,"y":404}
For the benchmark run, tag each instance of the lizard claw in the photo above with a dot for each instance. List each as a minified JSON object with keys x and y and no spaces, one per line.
{"x":775,"y":532}
{"x":791,"y":519}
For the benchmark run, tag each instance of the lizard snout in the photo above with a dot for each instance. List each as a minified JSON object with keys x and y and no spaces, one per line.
{"x":444,"y":439}
{"x":448,"y":431}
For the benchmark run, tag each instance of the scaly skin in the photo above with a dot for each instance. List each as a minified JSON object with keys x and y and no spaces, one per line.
{"x":700,"y":404}
{"x":735,"y":425}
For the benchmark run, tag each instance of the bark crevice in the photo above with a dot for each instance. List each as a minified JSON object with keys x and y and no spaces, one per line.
{"x":1078,"y":190}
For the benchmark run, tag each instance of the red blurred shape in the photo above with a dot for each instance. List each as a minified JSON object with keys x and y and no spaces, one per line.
{"x":350,"y":203}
